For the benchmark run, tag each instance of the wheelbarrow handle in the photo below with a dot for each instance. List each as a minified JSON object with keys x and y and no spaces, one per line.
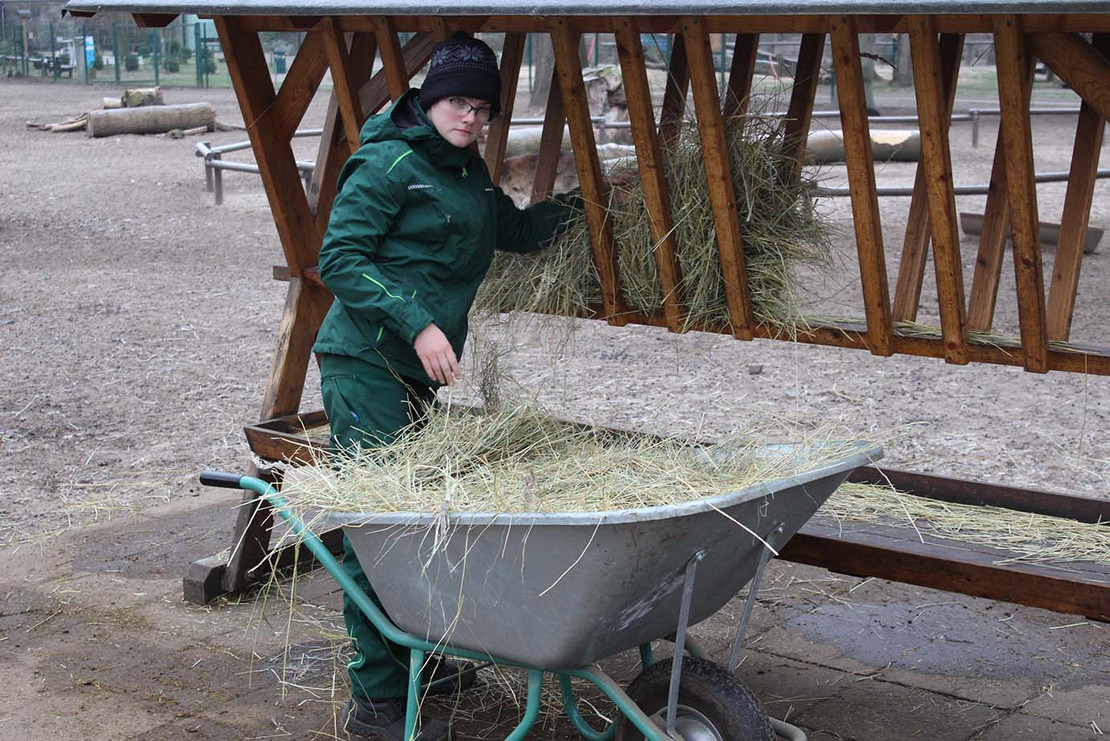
{"x":221,"y":479}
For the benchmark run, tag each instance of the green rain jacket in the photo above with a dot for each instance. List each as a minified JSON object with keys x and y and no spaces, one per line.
{"x":411,"y":236}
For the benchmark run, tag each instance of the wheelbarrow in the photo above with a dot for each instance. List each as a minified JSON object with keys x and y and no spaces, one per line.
{"x":559,"y":592}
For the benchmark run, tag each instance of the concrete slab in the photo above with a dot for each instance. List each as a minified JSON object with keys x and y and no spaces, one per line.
{"x":1082,"y":705}
{"x":873,"y":709}
{"x":1022,"y":727}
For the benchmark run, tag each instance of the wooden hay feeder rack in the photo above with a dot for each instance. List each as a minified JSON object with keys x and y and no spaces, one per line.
{"x":346,"y":39}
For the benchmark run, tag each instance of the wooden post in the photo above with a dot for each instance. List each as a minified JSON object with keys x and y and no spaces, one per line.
{"x":674,"y":94}
{"x":915,"y":247}
{"x":861,"y":182}
{"x":300,"y":84}
{"x":933,"y":111}
{"x":551,"y":141}
{"x":305,"y":307}
{"x":569,"y":68}
{"x":512,"y":55}
{"x":393,"y":62}
{"x":344,"y":83}
{"x":740,"y":75}
{"x":802,"y":95}
{"x":649,"y":156}
{"x":1016,"y":134}
{"x":1077,"y":211}
{"x":718,"y":173}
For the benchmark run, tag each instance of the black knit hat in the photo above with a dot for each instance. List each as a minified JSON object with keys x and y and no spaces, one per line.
{"x":462,"y":66}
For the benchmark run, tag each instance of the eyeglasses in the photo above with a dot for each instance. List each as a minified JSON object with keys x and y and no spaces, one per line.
{"x":460,"y":106}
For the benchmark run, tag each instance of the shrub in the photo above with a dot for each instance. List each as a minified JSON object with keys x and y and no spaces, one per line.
{"x":98,"y":61}
{"x":172,"y":65}
{"x":131,"y":62}
{"x":209,"y":62}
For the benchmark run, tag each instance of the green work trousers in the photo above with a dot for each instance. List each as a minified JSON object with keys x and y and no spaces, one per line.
{"x":367,"y":406}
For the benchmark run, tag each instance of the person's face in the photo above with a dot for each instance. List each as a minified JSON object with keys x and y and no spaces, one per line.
{"x":459,"y":120}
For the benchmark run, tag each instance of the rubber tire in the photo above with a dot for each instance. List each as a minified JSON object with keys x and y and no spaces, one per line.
{"x":734,"y":711}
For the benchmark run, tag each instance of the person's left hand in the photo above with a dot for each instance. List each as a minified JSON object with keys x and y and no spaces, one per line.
{"x":437,"y":356}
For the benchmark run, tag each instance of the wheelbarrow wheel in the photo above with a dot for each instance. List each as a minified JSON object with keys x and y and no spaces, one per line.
{"x":713,"y":705}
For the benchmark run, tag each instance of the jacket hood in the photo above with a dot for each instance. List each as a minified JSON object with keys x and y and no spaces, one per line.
{"x":406,"y":121}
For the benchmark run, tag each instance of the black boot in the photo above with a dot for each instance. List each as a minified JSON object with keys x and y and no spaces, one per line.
{"x":384,"y":720}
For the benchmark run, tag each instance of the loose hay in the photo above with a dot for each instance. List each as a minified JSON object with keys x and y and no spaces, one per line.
{"x":780,"y":232}
{"x":518,"y":459}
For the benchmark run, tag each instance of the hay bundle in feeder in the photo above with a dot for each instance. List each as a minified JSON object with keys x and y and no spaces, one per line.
{"x":518,"y":459}
{"x":779,"y":231}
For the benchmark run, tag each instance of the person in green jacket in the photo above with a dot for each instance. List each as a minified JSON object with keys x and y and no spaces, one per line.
{"x":411,"y":236}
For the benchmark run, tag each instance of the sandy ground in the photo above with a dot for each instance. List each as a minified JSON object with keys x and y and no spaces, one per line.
{"x":136,"y":324}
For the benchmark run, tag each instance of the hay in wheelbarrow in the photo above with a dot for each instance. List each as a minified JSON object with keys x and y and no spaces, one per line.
{"x":781,"y":233}
{"x":517,"y":459}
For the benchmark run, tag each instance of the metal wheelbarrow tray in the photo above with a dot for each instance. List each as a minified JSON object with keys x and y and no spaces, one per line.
{"x":561,"y":591}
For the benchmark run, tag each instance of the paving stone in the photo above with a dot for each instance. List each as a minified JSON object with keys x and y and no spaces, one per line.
{"x":872,"y":709}
{"x":1020,"y":726}
{"x":1080,"y":705}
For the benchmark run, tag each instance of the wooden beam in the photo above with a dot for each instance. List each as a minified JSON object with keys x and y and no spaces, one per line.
{"x":565,"y":44}
{"x":718,"y":173}
{"x":803,"y":93}
{"x":992,"y":242}
{"x":300,"y":85}
{"x":551,"y":141}
{"x":673,"y":112}
{"x":649,"y":156}
{"x":915,"y":246}
{"x":153,"y":20}
{"x":861,"y":182}
{"x":512,"y":54}
{"x":393,"y":62}
{"x":740,"y":75}
{"x":1016,"y":133}
{"x":949,"y":566}
{"x":1077,"y":211}
{"x":1077,"y":63}
{"x":933,"y":112}
{"x":277,"y":166}
{"x":344,"y":83}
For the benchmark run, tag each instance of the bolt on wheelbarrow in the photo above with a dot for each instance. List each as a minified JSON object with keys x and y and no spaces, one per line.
{"x":556,"y":593}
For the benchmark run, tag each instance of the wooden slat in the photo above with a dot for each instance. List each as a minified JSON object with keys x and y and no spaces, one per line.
{"x":740,"y":75}
{"x":861,"y":183}
{"x":565,"y":44}
{"x":718,"y":172}
{"x":440,"y":31}
{"x":950,"y":566}
{"x":333,"y":151}
{"x":246,"y":63}
{"x":1077,"y":63}
{"x":992,"y":243}
{"x":153,"y":20}
{"x":1076,"y":213}
{"x":1016,"y":133}
{"x":551,"y":141}
{"x":674,"y":93}
{"x":799,"y":115}
{"x":344,"y":83}
{"x":372,"y":96}
{"x":389,"y":46}
{"x":915,"y":246}
{"x":653,"y":180}
{"x":512,"y":54}
{"x":300,"y":85}
{"x":933,"y":112}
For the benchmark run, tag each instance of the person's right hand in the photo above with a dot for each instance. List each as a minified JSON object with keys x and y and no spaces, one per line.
{"x":437,"y":355}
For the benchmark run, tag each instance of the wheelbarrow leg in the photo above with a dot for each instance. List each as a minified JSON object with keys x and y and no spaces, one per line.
{"x":680,"y":639}
{"x":624,"y":704}
{"x":412,"y":709}
{"x":745,"y":618}
{"x":532,"y":709}
{"x":570,"y":706}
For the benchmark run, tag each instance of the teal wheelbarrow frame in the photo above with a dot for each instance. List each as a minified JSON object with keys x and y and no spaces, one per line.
{"x":661,"y":729}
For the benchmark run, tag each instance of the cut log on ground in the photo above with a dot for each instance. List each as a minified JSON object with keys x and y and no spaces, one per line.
{"x":1050,"y":231}
{"x":151,"y":119}
{"x":142,"y":96}
{"x":112,"y":103}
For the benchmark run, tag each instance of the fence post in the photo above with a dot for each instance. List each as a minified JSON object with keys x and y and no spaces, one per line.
{"x":156,"y":43}
{"x":53,"y":56}
{"x":115,"y":48}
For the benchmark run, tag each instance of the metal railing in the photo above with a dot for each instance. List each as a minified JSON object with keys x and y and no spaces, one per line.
{"x":215,"y":165}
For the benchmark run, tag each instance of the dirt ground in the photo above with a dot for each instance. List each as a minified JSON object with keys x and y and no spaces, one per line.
{"x":136,"y":324}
